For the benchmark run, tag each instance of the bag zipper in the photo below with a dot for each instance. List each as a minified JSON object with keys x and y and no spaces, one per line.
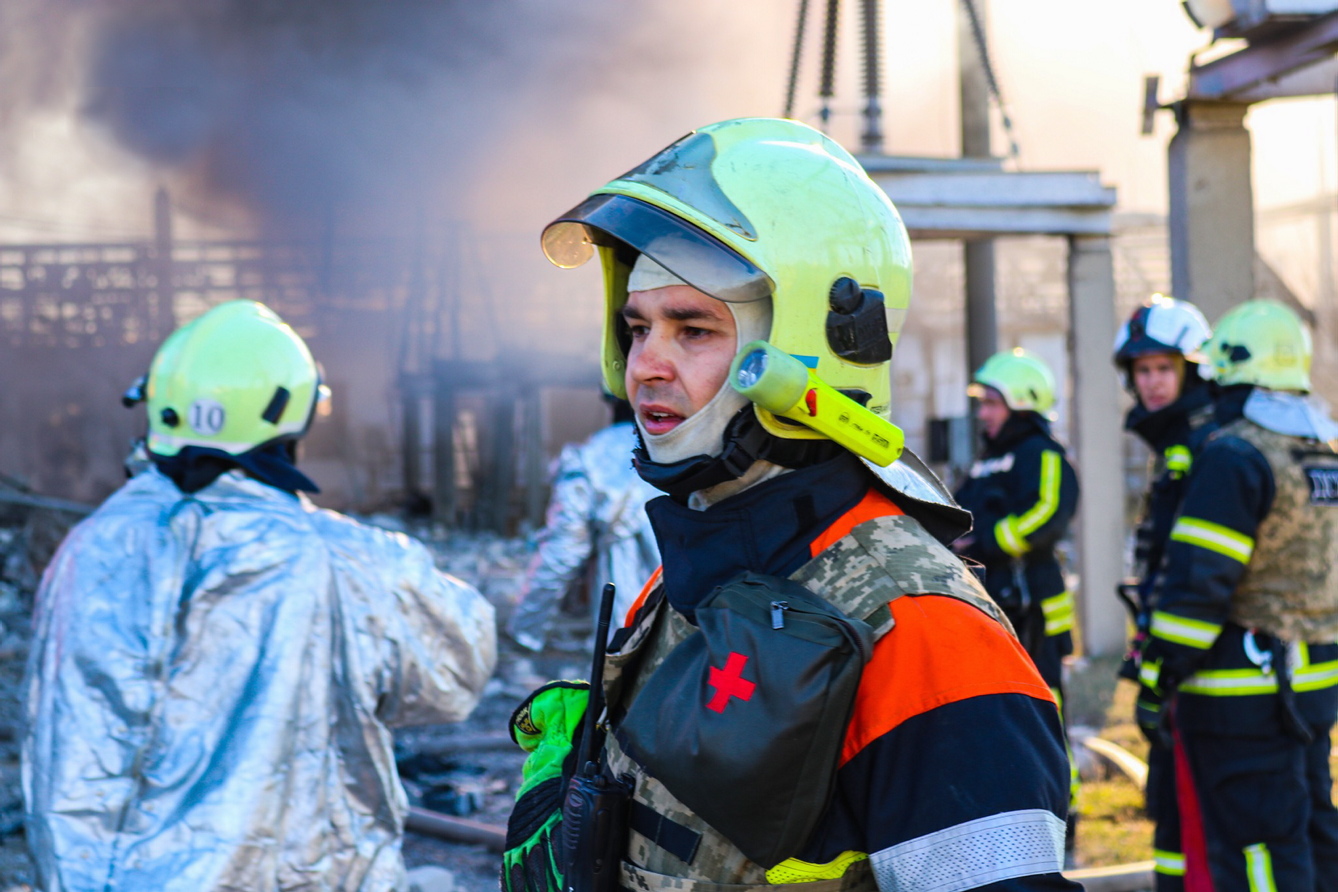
{"x":780,"y":608}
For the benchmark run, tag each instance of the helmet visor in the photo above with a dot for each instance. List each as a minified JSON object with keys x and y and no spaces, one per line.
{"x":695,"y":256}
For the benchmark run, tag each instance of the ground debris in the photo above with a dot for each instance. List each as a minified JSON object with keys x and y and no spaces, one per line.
{"x":28,"y":539}
{"x":468,"y":768}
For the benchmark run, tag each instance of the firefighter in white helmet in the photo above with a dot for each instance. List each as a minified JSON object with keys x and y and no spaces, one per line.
{"x":217,"y":663}
{"x":1158,"y":354}
{"x":1240,"y":670}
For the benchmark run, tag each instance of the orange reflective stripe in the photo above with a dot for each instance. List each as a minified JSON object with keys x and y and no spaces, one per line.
{"x":940,"y":651}
{"x":874,"y":504}
{"x":645,"y":593}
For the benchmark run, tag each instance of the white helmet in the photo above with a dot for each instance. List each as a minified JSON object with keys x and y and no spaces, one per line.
{"x":1162,"y":325}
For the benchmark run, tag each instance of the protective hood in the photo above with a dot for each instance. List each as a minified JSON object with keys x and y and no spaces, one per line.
{"x":1291,"y":414}
{"x":210,"y":687}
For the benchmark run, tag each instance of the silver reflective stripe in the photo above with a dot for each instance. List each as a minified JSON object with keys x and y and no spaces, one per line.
{"x":973,"y":854}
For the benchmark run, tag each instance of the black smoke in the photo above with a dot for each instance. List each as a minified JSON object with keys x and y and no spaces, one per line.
{"x":295,"y":110}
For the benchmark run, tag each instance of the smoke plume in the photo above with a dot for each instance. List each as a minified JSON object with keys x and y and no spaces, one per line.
{"x":290,"y":112}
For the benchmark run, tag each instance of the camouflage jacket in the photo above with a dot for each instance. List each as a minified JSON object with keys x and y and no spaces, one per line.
{"x":944,"y":654}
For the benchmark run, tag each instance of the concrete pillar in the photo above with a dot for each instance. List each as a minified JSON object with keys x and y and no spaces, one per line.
{"x":982,"y":330}
{"x":1097,"y":453}
{"x":1212,"y":207}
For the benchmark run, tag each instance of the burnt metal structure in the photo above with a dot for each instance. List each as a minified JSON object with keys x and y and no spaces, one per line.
{"x":78,"y":322}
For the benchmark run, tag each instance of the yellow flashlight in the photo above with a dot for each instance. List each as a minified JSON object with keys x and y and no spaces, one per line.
{"x":786,"y":387}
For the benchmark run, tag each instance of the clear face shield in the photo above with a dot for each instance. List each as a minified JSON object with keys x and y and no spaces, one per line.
{"x":693,"y":255}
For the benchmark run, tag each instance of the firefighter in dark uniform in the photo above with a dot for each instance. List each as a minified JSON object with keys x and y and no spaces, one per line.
{"x":1022,"y":493}
{"x":1157,"y":353}
{"x":748,"y":243}
{"x":1240,"y":667}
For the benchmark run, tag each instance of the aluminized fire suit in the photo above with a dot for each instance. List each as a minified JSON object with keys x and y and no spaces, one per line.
{"x":597,"y":512}
{"x":211,"y":687}
{"x":1244,"y":647}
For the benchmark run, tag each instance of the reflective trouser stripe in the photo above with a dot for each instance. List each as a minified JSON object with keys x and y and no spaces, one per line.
{"x":1058,"y":612}
{"x":1169,"y":863}
{"x":1149,"y":674}
{"x":1195,"y":633}
{"x":1259,"y":868}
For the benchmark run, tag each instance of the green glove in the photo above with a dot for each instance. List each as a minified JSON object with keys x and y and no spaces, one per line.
{"x":545,"y":725}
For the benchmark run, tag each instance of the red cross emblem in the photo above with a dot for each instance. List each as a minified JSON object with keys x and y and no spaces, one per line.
{"x":729,"y":682}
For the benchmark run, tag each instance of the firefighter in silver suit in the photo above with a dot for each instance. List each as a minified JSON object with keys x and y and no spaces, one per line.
{"x":217,"y":663}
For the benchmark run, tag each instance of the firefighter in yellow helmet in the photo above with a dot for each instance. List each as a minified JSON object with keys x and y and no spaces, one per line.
{"x":1022,"y":493}
{"x":1240,"y":672}
{"x":792,"y":694}
{"x":217,"y":662}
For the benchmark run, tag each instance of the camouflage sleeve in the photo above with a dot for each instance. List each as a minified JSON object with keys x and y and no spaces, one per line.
{"x":1228,"y":494}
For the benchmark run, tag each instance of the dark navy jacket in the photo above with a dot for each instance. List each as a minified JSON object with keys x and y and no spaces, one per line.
{"x":954,"y":745}
{"x":1022,"y":493}
{"x":1175,"y":434}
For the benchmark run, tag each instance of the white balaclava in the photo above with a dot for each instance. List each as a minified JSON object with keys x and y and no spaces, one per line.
{"x":703,"y":433}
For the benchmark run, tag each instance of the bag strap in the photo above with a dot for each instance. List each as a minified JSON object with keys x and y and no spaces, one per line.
{"x":883,"y":559}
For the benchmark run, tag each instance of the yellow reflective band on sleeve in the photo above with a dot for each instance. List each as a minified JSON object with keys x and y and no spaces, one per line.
{"x":1178,"y":460}
{"x":1058,"y":612}
{"x":1044,"y":509}
{"x":1214,"y":537}
{"x":1006,"y":534}
{"x":1171,"y":864}
{"x":1259,"y":868}
{"x":1182,"y":630}
{"x":792,"y":870}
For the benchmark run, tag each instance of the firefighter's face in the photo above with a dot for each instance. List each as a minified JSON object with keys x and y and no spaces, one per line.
{"x":682,"y":344}
{"x":992,"y":412}
{"x":1157,"y":379}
